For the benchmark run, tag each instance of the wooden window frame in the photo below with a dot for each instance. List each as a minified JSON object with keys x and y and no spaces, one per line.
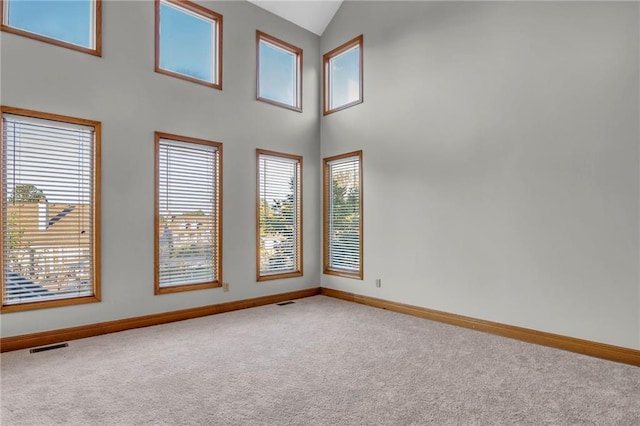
{"x":205,"y":13}
{"x":260,"y":36}
{"x":96,"y":219}
{"x":156,"y":232}
{"x":326,"y":59}
{"x":325,"y":218}
{"x":97,"y":31}
{"x":299,"y":242}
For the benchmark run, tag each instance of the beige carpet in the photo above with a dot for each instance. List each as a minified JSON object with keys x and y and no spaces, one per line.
{"x":320,"y":361}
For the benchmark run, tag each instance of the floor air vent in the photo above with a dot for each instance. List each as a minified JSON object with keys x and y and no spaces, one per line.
{"x":285,"y":303}
{"x":48,"y":348}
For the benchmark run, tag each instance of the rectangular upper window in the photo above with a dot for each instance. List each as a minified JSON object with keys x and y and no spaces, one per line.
{"x":342,"y":76}
{"x":72,"y":24}
{"x":342,"y":210}
{"x":187,"y":214}
{"x":279,"y":215}
{"x":189,"y":42}
{"x":50,"y":210}
{"x":279,"y":72}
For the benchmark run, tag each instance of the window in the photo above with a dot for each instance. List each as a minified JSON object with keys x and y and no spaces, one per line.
{"x":189,"y":42}
{"x":342,"y":192}
{"x":188,"y":190}
{"x":50,"y":210}
{"x":71,"y":24}
{"x":279,"y":215}
{"x":342,"y":81}
{"x":279,"y":72}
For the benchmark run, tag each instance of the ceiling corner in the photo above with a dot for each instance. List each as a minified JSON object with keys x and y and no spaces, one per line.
{"x":312,"y":15}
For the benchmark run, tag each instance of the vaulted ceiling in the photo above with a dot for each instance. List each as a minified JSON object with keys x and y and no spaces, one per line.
{"x":312,"y":15}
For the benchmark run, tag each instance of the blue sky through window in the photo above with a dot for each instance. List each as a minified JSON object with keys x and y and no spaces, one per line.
{"x":345,"y":78}
{"x":186,"y":43}
{"x":278,"y":69}
{"x":68,"y":21}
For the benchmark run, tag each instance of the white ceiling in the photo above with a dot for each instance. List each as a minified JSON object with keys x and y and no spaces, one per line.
{"x":312,"y":15}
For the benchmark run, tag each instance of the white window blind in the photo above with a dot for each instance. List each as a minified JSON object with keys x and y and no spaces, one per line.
{"x":343,"y":221}
{"x":188,"y":213}
{"x":279,"y":200}
{"x":48,"y":201}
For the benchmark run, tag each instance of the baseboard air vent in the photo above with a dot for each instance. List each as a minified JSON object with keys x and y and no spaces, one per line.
{"x":48,"y":348}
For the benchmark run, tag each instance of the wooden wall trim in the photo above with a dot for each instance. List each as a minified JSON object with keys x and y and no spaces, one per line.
{"x":56,"y":336}
{"x":572,"y":344}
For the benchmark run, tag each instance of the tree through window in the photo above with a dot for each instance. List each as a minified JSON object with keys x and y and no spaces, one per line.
{"x":279,"y":215}
{"x":342,"y":192}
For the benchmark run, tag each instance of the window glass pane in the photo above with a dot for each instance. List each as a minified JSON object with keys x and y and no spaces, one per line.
{"x":279,"y":214}
{"x":68,"y":21}
{"x":278,"y":69}
{"x":187,"y":43}
{"x":188,"y":203}
{"x":344,"y":78}
{"x":48,"y":210}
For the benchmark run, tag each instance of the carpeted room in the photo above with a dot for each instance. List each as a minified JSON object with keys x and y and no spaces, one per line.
{"x":499,"y":166}
{"x":318,"y":361}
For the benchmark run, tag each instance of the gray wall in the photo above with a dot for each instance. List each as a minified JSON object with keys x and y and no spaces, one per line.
{"x":501,"y":172}
{"x":122,"y":91}
{"x":500,"y":156}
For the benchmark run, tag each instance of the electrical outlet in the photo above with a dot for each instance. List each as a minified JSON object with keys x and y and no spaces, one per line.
{"x":378,"y":282}
{"x":225,"y":286}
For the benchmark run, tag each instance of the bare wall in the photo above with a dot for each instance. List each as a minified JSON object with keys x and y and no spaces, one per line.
{"x":501,"y":170}
{"x":132,"y":101}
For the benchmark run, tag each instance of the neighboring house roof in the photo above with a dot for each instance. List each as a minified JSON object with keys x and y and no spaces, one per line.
{"x":19,"y":286}
{"x":52,"y":225}
{"x":60,"y":215}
